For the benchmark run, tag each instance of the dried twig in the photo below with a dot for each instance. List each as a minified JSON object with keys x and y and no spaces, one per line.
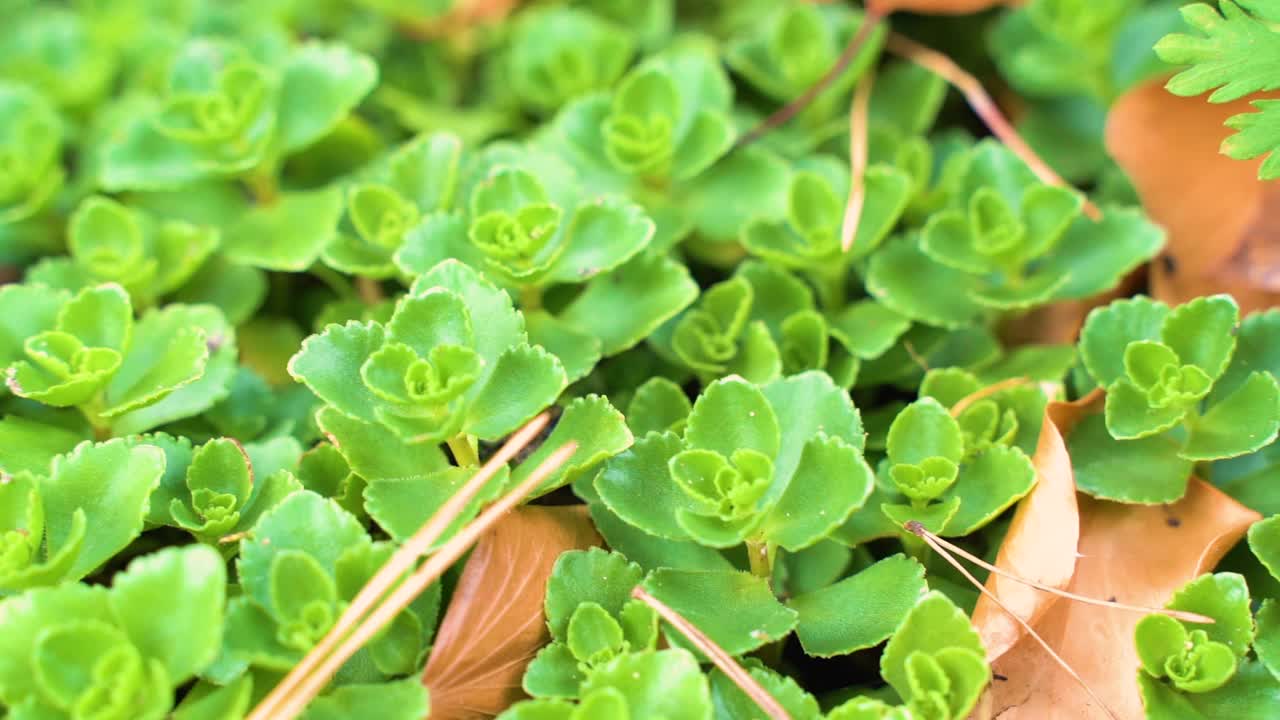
{"x":983,"y":105}
{"x":722,"y":660}
{"x":349,"y":632}
{"x":858,"y":113}
{"x":870,"y":21}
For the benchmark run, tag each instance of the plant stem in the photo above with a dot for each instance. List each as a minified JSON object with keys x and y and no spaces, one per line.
{"x":530,"y":298}
{"x":830,"y":287}
{"x":464,"y":452}
{"x":369,"y":290}
{"x":336,"y":282}
{"x":262,"y":185}
{"x":761,"y":556}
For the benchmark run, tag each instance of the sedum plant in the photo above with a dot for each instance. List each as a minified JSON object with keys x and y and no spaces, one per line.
{"x":278,"y":280}
{"x":1173,"y":396}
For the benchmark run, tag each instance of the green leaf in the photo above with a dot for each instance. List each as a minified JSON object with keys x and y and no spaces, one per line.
{"x":110,"y":483}
{"x":701,"y":597}
{"x":329,"y":364}
{"x":650,"y":551}
{"x":1131,"y":416}
{"x":287,"y":235}
{"x":988,"y":485}
{"x":624,"y":306}
{"x":637,"y":487}
{"x":304,"y":522}
{"x":319,"y":86}
{"x":1202,"y":332}
{"x":400,"y":700}
{"x":666,"y":683}
{"x":934,"y":625}
{"x":1264,"y":541}
{"x":600,"y":432}
{"x":207,"y":701}
{"x":1139,"y":471}
{"x":658,"y":405}
{"x":883,"y":593}
{"x":1225,"y":598}
{"x":1267,"y":644}
{"x":1108,"y":331}
{"x":596,"y":576}
{"x":868,"y":328}
{"x":910,"y":283}
{"x":1095,"y":255}
{"x":733,"y":414}
{"x":1257,"y":133}
{"x":173,"y":588}
{"x":577,"y":350}
{"x":733,"y":704}
{"x":830,"y":482}
{"x":923,"y":430}
{"x":374,"y":452}
{"x":1240,"y":423}
{"x":164,"y":356}
{"x":401,"y":506}
{"x":27,"y":310}
{"x":24,"y":618}
{"x":524,"y":381}
{"x":1235,"y":52}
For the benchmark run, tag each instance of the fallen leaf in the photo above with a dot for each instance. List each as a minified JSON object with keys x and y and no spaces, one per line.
{"x":937,"y":7}
{"x":1041,"y":542}
{"x":1222,"y":221}
{"x":1137,"y":554}
{"x":495,"y":622}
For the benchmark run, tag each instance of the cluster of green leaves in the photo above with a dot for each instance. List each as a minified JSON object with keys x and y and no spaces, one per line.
{"x":279,"y":276}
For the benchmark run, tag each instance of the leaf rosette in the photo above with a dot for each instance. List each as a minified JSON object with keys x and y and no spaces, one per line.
{"x":1178,"y":392}
{"x":750,"y":467}
{"x":453,"y":358}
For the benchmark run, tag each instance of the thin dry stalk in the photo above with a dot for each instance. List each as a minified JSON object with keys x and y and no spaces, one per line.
{"x":858,"y":113}
{"x":722,"y":660}
{"x":401,"y":562}
{"x":930,"y":538}
{"x":870,"y":21}
{"x":983,"y":105}
{"x":1183,"y":615}
{"x":430,"y":571}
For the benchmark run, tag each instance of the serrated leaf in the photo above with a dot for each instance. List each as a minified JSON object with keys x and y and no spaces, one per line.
{"x":1240,"y":423}
{"x":525,"y":380}
{"x":908,"y":282}
{"x":923,"y":430}
{"x":329,"y":364}
{"x":701,"y":596}
{"x":830,"y":482}
{"x":320,"y":84}
{"x":1264,"y":541}
{"x":933,"y":625}
{"x":883,"y":593}
{"x":287,"y":235}
{"x":400,"y":700}
{"x":1109,"y":330}
{"x":163,"y":356}
{"x":600,"y":432}
{"x":665,"y":683}
{"x":732,"y":414}
{"x":173,"y":588}
{"x":110,"y":483}
{"x":658,"y":405}
{"x":374,"y":452}
{"x":403,"y":505}
{"x":1202,"y":332}
{"x":988,"y":485}
{"x":1225,"y":598}
{"x":577,"y":351}
{"x":1142,"y":471}
{"x":733,"y":704}
{"x":626,"y":305}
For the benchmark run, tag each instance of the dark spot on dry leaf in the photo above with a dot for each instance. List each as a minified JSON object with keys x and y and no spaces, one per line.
{"x":1173,"y":522}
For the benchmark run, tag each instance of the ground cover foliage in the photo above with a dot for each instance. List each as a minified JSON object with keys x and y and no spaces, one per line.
{"x":821,"y":296}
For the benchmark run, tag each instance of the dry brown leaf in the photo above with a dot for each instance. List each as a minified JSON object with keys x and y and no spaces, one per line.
{"x":495,"y":622}
{"x":1041,"y":542}
{"x":937,"y":7}
{"x":1221,"y":220}
{"x":1136,"y":554}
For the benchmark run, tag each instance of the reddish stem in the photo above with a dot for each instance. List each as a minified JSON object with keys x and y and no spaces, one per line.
{"x":870,"y":21}
{"x":983,"y":105}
